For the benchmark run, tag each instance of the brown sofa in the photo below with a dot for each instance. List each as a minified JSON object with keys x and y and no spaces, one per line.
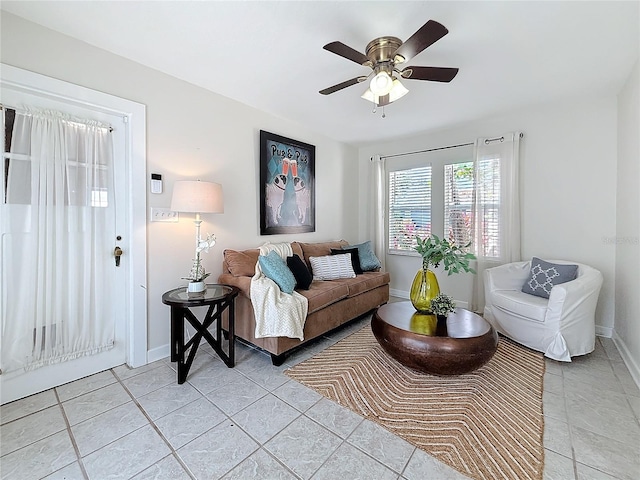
{"x":331,"y":303}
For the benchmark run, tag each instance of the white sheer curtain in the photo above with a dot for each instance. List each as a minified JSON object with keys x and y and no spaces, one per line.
{"x":59,"y":228}
{"x":496,"y":207}
{"x":380,"y":202}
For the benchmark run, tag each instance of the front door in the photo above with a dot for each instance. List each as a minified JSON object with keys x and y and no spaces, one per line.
{"x":112,"y":236}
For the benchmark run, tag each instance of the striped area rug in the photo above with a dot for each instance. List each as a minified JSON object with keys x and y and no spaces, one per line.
{"x":486,"y":424}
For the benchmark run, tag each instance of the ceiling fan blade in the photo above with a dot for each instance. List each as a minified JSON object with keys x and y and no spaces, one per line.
{"x":428,"y":34}
{"x":340,"y":86}
{"x":433,"y":74}
{"x":347,"y":52}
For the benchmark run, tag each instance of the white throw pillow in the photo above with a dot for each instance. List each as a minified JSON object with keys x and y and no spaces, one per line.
{"x":332,"y":267}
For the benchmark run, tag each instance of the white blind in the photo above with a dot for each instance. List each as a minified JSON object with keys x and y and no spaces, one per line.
{"x":458,"y":202}
{"x":409,"y":207}
{"x":489,"y":203}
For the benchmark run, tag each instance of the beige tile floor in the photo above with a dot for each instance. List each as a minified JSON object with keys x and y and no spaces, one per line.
{"x":253,"y":422}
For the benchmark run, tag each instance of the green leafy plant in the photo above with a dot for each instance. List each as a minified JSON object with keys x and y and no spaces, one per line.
{"x":442,"y":304}
{"x":454,"y":258}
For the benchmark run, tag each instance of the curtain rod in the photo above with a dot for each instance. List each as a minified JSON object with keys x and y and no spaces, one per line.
{"x":9,"y":107}
{"x":487,"y":142}
{"x":428,"y":150}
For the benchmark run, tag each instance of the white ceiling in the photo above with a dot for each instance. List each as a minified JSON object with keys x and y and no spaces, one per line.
{"x":269,"y":54}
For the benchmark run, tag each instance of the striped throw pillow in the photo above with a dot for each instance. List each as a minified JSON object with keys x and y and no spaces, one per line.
{"x":332,"y":267}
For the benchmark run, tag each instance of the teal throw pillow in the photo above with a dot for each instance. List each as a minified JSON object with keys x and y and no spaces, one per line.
{"x":368,"y":259}
{"x":275,"y":268}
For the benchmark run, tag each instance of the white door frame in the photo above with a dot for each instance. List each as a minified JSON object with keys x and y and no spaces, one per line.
{"x":134,"y":115}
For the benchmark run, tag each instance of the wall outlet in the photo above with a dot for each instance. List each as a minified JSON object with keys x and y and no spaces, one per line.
{"x":164,"y":215}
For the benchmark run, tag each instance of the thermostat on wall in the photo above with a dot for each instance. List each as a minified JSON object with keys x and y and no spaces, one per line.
{"x":156,"y":183}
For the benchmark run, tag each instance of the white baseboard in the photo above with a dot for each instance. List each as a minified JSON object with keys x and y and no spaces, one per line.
{"x":399,"y":293}
{"x":631,"y":364}
{"x":164,"y":351}
{"x":158,"y":353}
{"x":404,"y":294}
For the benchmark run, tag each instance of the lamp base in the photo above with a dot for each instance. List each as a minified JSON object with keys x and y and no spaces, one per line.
{"x":196,"y":287}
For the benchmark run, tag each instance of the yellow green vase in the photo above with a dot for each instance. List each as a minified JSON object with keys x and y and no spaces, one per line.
{"x":423,"y":323}
{"x":423,"y":289}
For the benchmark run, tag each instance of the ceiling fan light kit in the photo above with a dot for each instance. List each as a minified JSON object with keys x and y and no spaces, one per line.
{"x":397,"y":91}
{"x":383,"y":54}
{"x":381,"y":84}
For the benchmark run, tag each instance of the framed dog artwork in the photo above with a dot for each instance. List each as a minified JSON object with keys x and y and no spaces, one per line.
{"x":287,"y":185}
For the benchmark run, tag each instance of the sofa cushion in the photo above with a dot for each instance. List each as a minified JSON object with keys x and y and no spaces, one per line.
{"x":319,"y":249}
{"x":368,"y":259}
{"x":275,"y":268}
{"x":300,"y":272}
{"x":355,"y":258}
{"x":323,"y":294}
{"x":544,"y":275}
{"x":521,"y":304}
{"x":241,"y":264}
{"x":332,"y":267}
{"x":297,"y":249}
{"x":365,"y":282}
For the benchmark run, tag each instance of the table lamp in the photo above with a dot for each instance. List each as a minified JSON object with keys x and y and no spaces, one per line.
{"x":194,"y":196}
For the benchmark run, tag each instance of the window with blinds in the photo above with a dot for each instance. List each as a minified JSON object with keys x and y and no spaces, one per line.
{"x":488,"y":185}
{"x":458,"y":202}
{"x":458,"y":205}
{"x":409,"y":207}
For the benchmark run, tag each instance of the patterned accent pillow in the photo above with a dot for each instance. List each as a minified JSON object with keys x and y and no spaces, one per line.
{"x":275,"y":268}
{"x":368,"y":259}
{"x":544,"y":275}
{"x":300,"y":272}
{"x":355,"y":258}
{"x":332,"y":267}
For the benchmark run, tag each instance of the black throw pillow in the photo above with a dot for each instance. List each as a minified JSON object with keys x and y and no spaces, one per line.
{"x":355,"y":258}
{"x":300,"y":272}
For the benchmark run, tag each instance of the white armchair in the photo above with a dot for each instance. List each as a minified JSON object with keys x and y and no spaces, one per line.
{"x":561,"y":327}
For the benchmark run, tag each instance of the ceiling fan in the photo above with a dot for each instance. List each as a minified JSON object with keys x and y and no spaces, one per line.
{"x":383,"y":55}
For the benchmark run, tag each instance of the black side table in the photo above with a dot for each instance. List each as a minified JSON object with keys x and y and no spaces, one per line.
{"x":218,"y":298}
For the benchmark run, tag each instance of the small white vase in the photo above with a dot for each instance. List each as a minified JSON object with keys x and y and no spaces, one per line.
{"x":196,"y":287}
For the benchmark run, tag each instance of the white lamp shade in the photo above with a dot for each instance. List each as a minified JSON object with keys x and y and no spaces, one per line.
{"x":398,"y":91}
{"x":368,"y":95}
{"x":372,"y":97}
{"x":198,"y":197}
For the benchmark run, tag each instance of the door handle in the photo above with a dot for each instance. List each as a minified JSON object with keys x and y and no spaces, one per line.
{"x":117,"y":252}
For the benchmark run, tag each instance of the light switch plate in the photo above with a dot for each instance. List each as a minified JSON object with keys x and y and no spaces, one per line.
{"x":159,"y":214}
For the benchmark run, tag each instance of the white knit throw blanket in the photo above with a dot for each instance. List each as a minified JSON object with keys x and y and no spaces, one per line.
{"x":277,"y":314}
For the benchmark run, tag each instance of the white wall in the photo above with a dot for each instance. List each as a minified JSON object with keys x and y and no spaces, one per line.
{"x":627,"y":239}
{"x":192,"y":133}
{"x":568,"y":185}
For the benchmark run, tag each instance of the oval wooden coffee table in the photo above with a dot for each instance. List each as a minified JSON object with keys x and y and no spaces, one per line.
{"x":458,"y":344}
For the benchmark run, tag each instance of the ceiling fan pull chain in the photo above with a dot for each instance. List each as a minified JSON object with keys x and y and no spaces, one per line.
{"x":383,"y":114}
